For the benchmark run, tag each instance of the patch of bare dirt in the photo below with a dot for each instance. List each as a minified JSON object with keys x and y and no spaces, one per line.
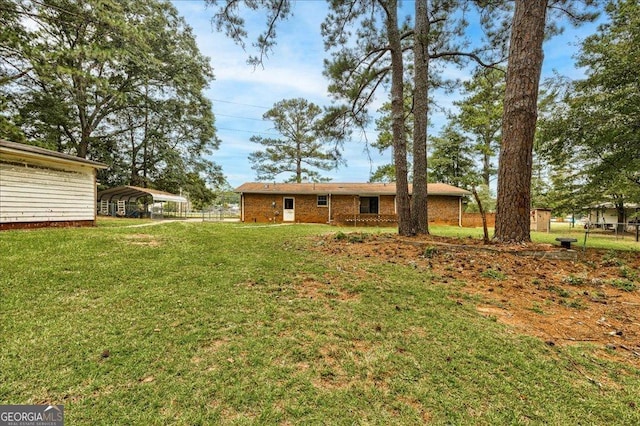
{"x":559,"y":296}
{"x":143,"y":240}
{"x":312,"y":289}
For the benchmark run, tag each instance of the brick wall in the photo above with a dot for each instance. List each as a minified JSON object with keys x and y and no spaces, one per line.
{"x":474,"y":220}
{"x":267,"y":208}
{"x":443,"y":209}
{"x":350,"y":204}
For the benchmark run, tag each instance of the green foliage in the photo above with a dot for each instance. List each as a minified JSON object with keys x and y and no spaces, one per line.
{"x":200,"y":195}
{"x":623,"y":284}
{"x":630,"y":273}
{"x":559,"y":291}
{"x":573,"y":303}
{"x":231,"y":19}
{"x":537,"y":309}
{"x":340,"y":236}
{"x":611,"y":258}
{"x":480,"y":116}
{"x":351,"y":237}
{"x":574,"y":280}
{"x":494,"y":274}
{"x":599,"y":146}
{"x":385,"y":173}
{"x":451,"y":161}
{"x":384,"y":140}
{"x":120,"y":82}
{"x":430,"y":252}
{"x":309,"y":144}
{"x":486,"y":198}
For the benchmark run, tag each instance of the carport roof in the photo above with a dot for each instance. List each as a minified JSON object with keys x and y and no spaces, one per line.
{"x":132,"y":193}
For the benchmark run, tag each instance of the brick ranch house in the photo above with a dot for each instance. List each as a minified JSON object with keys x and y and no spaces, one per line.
{"x":341,"y":203}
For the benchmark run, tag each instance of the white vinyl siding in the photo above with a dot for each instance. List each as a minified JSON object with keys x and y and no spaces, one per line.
{"x":40,"y":194}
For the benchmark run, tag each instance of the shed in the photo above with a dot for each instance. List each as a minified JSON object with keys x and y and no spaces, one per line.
{"x":541,"y":220}
{"x":40,"y":188}
{"x":341,"y":203}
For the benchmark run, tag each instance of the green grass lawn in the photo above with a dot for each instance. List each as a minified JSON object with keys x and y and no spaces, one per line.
{"x":595,"y":239}
{"x":208,"y":323}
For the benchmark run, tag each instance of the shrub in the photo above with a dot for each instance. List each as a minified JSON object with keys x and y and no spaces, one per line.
{"x":493,"y":274}
{"x":573,"y":280}
{"x":430,"y":251}
{"x":625,"y":285}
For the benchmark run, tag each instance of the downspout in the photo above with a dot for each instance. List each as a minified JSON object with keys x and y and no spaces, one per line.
{"x":242,"y":207}
{"x":329,"y":209}
{"x":460,"y":212}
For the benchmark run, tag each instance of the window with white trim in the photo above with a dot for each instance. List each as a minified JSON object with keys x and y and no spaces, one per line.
{"x":323,"y":201}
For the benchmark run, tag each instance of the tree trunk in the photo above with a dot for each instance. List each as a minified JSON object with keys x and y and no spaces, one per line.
{"x":619,"y":202}
{"x":519,"y":122}
{"x":83,"y":146}
{"x":483,"y":215}
{"x":145,"y":143}
{"x":397,"y":125}
{"x":298,"y":163}
{"x":419,"y":213}
{"x":486,"y":164}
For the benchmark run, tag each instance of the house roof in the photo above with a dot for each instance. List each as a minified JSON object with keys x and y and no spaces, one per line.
{"x":343,"y":188}
{"x":130,"y":193}
{"x":21,"y":149}
{"x":613,"y":206}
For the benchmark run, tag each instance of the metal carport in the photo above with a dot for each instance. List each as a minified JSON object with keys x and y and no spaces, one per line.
{"x":131,"y":194}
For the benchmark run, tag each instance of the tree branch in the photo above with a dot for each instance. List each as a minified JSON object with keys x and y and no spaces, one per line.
{"x":475,"y":57}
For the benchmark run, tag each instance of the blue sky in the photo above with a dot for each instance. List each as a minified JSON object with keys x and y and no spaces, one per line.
{"x":241,"y":94}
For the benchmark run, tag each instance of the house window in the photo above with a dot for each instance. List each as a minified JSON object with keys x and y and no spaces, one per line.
{"x":323,"y":201}
{"x":369,"y":205}
{"x":288,"y":203}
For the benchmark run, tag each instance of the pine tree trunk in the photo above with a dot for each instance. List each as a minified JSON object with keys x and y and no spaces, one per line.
{"x":483,"y":215}
{"x":397,"y":126}
{"x":419,"y":213}
{"x":486,"y":166}
{"x":519,"y":122}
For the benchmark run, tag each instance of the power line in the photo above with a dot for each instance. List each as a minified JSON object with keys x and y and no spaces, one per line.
{"x":238,"y":103}
{"x":236,"y":116}
{"x":247,"y":131}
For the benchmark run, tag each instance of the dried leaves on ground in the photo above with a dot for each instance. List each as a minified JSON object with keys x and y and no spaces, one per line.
{"x":563,"y":297}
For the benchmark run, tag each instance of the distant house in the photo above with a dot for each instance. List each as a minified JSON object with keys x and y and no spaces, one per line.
{"x":341,"y":203}
{"x":605,"y":215}
{"x":40,"y":188}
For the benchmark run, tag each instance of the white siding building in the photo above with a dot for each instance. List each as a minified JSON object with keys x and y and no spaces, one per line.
{"x":39,"y":188}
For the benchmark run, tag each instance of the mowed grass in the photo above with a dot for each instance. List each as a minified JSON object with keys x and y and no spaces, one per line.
{"x":205,"y":323}
{"x":595,"y":238}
